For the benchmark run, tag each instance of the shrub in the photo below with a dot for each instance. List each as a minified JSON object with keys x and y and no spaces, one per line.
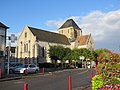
{"x":97,"y":82}
{"x":109,"y":70}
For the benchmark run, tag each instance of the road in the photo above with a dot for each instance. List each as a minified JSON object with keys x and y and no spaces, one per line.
{"x":51,"y":81}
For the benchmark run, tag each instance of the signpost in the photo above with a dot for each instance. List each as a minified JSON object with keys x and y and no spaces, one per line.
{"x":11,"y":39}
{"x":82,"y":58}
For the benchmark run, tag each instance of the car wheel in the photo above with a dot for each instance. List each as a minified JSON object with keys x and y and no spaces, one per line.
{"x":25,"y":72}
{"x":36,"y":71}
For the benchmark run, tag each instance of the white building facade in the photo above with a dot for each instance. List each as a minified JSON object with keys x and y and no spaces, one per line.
{"x":3,"y":30}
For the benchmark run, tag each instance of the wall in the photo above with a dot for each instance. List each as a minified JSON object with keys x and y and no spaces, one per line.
{"x":70,"y":32}
{"x":2,"y":47}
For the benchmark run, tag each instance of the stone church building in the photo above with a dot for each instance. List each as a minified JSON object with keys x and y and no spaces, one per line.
{"x":33,"y":43}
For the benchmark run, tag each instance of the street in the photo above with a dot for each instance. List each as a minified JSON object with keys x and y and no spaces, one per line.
{"x":52,"y":81}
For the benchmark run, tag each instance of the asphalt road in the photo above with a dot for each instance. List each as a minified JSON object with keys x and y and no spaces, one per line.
{"x":51,"y":81}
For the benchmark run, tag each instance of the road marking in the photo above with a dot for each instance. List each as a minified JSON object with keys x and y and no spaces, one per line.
{"x":19,"y":82}
{"x":83,"y":72}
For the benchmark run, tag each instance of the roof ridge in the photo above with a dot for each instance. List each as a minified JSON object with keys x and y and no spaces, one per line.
{"x":3,"y":25}
{"x":46,"y":31}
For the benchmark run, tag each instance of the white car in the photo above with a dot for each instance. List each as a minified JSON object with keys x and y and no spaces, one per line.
{"x":27,"y":68}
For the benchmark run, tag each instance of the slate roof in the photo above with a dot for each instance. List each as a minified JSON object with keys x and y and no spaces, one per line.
{"x":83,"y":40}
{"x":47,"y":36}
{"x":4,"y":26}
{"x":70,"y":23}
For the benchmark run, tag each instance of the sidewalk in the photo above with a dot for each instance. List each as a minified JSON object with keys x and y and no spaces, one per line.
{"x":10,"y":77}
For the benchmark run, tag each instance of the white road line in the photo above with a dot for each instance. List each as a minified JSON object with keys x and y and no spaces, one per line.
{"x":83,"y":72}
{"x":19,"y":82}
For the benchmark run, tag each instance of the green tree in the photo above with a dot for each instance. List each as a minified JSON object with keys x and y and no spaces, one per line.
{"x":93,"y":55}
{"x":58,"y":53}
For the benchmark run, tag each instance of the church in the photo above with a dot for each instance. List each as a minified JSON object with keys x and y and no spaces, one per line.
{"x":33,"y":43}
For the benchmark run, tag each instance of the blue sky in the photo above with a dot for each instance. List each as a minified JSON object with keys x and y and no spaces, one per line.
{"x":50,"y":14}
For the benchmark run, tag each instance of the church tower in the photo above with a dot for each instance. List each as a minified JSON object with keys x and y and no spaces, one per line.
{"x":70,"y":29}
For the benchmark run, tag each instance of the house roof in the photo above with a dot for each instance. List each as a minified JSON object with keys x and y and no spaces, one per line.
{"x":47,"y":36}
{"x":4,"y":26}
{"x":83,"y":39}
{"x":70,"y":23}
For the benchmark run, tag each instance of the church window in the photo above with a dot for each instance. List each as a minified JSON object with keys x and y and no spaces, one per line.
{"x":25,"y":34}
{"x":25,"y":47}
{"x":61,"y":31}
{"x":42,"y":51}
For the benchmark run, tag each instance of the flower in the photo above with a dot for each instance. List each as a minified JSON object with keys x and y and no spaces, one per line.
{"x":118,"y":79}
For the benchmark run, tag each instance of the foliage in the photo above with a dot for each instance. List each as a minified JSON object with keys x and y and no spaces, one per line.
{"x":58,"y":52}
{"x":93,"y":55}
{"x":97,"y":82}
{"x":99,"y":51}
{"x":109,"y":68}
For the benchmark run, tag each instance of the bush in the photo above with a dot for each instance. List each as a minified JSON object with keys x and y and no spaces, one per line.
{"x":109,"y":70}
{"x":97,"y":82}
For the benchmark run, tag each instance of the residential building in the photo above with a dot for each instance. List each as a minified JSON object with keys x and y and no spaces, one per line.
{"x":3,"y":30}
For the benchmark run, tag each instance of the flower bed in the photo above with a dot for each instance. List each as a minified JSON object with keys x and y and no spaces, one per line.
{"x":108,"y":72}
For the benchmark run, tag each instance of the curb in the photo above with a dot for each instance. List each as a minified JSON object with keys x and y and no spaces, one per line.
{"x":8,"y":79}
{"x":88,"y":87}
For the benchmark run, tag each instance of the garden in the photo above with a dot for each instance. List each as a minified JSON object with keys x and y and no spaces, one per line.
{"x":107,"y":72}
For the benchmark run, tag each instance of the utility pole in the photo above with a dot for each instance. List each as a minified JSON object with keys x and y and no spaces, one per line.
{"x":11,"y":39}
{"x":8,"y":65}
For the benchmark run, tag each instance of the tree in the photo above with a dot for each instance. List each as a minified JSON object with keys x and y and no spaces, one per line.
{"x":93,"y":55}
{"x":58,"y":53}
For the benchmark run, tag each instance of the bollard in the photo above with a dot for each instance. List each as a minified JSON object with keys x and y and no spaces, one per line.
{"x":69,"y":83}
{"x":91,"y":75}
{"x":0,"y":73}
{"x":43,"y":71}
{"x":25,"y":86}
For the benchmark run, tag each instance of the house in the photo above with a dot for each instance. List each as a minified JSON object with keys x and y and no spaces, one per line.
{"x":3,"y":30}
{"x":33,"y":45}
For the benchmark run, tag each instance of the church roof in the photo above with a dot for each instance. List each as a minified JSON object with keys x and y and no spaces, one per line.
{"x":83,"y":40}
{"x":70,"y":23}
{"x":47,"y":36}
{"x":4,"y":26}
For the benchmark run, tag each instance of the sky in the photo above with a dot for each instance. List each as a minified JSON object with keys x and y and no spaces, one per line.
{"x":101,"y":18}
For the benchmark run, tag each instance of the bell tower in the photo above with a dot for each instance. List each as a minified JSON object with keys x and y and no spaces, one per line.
{"x":70,"y":29}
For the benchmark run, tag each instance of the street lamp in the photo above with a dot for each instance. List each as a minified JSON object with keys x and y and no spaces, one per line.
{"x":82,"y":58}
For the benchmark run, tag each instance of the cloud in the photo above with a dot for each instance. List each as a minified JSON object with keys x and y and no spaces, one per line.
{"x":55,"y":24}
{"x":104,"y":27}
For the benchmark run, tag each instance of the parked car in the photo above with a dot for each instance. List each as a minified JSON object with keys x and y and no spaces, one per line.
{"x":12,"y":66}
{"x":27,"y":68}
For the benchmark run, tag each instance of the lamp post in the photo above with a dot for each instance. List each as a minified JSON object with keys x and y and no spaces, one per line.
{"x":82,"y":58}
